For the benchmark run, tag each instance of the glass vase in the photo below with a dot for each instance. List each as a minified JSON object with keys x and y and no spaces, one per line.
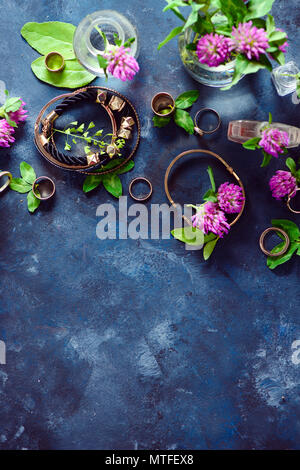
{"x":217,"y":77}
{"x":88,"y":43}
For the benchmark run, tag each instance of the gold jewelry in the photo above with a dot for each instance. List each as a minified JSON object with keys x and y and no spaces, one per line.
{"x":59,"y":56}
{"x":7,"y":182}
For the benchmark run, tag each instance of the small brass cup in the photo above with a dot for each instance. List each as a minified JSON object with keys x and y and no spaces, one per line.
{"x":50,"y":56}
{"x":161,"y":103}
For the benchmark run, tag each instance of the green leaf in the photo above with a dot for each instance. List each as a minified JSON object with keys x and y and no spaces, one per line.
{"x":126,"y":168}
{"x":27,"y":172}
{"x":244,"y":66}
{"x":103,"y":63}
{"x":118,"y":41}
{"x":184,"y":120}
{"x":12,"y":104}
{"x":161,"y":121}
{"x":289,"y":227}
{"x":175,"y":4}
{"x":67,"y":146}
{"x":252,"y":144}
{"x":189,"y":235}
{"x":291,"y":164}
{"x":210,"y":237}
{"x":112,"y":184}
{"x":91,"y":182}
{"x":193,"y":16}
{"x":209,"y":248}
{"x":270,"y":118}
{"x":272,"y":263}
{"x":191,"y":47}
{"x":270,"y":24}
{"x":73,"y":75}
{"x":186,"y":99}
{"x":211,"y":196}
{"x":32,"y":202}
{"x":279,"y":57}
{"x":211,"y":178}
{"x":50,"y":36}
{"x":170,"y":36}
{"x":298,"y":176}
{"x":10,"y":122}
{"x":277,"y":36}
{"x":258,"y":8}
{"x":128,"y":42}
{"x":19,"y":185}
{"x":91,"y":125}
{"x":266,"y":160}
{"x":80,"y":128}
{"x":234,"y":10}
{"x":87,"y":149}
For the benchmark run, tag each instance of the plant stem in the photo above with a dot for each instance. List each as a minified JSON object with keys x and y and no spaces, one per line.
{"x":79,"y":136}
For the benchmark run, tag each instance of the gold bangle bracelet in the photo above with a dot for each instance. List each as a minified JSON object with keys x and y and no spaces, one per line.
{"x":211,"y":154}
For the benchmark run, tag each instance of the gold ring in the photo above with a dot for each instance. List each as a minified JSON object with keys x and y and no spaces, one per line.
{"x":262,"y":239}
{"x":7,"y":182}
{"x":57,"y":55}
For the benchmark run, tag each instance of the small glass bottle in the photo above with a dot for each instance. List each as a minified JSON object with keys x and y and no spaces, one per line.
{"x":88,"y":43}
{"x":241,"y":131}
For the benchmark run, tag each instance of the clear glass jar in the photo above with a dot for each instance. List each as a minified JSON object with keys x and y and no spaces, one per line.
{"x":218,"y":77}
{"x":88,"y":43}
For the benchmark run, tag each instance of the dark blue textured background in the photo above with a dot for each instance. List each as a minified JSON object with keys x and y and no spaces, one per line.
{"x":140,"y":344}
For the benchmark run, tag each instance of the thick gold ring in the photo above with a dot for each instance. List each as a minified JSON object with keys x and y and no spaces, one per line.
{"x":289,"y":202}
{"x":54,"y":54}
{"x":7,"y":182}
{"x":262,"y":239}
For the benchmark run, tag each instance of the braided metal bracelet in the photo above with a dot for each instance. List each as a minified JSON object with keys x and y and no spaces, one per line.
{"x":116,"y":103}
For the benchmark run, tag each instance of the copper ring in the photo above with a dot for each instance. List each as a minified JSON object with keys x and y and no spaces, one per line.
{"x":52,"y":54}
{"x":201,"y":132}
{"x":289,"y":202}
{"x":212,"y":154}
{"x":50,"y":193}
{"x":136,"y":180}
{"x":7,"y":182}
{"x":262,"y":239}
{"x":82,"y":169}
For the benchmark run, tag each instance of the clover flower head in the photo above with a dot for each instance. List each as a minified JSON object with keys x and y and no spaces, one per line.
{"x":282,"y":184}
{"x":6,"y":131}
{"x":121,"y":64}
{"x":250,"y":40}
{"x":213,"y":49}
{"x":274,"y":141}
{"x":209,"y":218}
{"x":230,"y":198}
{"x":19,"y":115}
